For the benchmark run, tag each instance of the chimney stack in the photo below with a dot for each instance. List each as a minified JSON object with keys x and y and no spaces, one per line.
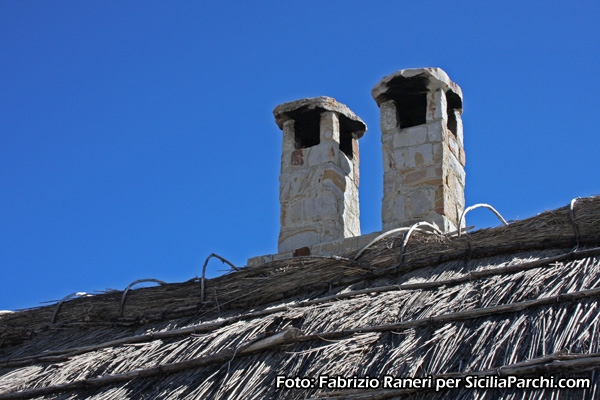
{"x":423,"y":152}
{"x":319,"y":172}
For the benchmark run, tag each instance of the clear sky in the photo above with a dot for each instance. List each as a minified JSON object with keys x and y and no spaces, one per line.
{"x":137,"y":137}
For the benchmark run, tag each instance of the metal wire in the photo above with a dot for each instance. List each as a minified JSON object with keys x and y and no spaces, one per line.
{"x":462,"y":216}
{"x":78,"y":294}
{"x":204,"y":272}
{"x":130,"y":286}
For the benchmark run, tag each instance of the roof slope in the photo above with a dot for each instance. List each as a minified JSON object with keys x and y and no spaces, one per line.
{"x":517,"y":300}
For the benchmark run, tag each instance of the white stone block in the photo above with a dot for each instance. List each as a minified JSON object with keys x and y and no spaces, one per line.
{"x":388,"y":116}
{"x":289,"y":136}
{"x":297,"y":239}
{"x":452,"y":163}
{"x":437,"y":131}
{"x":323,"y":153}
{"x":454,"y":184}
{"x":437,"y":105}
{"x":350,"y":192}
{"x":323,"y":206}
{"x":421,"y":202}
{"x":334,"y":248}
{"x":401,"y":158}
{"x":351,"y":227}
{"x":330,"y":127}
{"x":453,"y":145}
{"x":412,"y":136}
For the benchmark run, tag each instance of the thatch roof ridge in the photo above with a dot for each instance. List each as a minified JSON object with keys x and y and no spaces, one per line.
{"x":58,"y":355}
{"x":293,"y":335}
{"x":262,"y":284}
{"x":455,"y":306}
{"x":556,"y":272}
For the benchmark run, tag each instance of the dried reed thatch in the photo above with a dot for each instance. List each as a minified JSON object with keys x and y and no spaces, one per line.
{"x":516,"y":300}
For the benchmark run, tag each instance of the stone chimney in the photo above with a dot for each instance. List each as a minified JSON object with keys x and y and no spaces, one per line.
{"x":319,"y":172}
{"x":423,"y":153}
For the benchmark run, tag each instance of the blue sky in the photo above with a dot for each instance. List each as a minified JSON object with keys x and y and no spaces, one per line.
{"x":136,"y":138}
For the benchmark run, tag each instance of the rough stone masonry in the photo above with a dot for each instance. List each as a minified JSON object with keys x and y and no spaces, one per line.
{"x":423,"y":153}
{"x":423,"y":164}
{"x":319,"y":172}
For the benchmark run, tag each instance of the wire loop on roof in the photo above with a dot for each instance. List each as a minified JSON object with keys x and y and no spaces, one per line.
{"x":413,"y":228}
{"x":204,"y":272}
{"x":130,"y":286}
{"x":388,"y":233}
{"x":79,"y":294}
{"x":462,"y":217}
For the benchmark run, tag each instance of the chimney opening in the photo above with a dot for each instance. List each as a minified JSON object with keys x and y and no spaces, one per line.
{"x":454,"y":103}
{"x":410,"y":96}
{"x":306,"y":127}
{"x":452,"y":122}
{"x":411,"y":109}
{"x":346,"y":143}
{"x":346,"y":130}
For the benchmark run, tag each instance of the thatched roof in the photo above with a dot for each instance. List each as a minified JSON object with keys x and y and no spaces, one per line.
{"x":516,"y":300}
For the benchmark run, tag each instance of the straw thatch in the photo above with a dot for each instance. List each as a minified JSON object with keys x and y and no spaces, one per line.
{"x":518,"y":300}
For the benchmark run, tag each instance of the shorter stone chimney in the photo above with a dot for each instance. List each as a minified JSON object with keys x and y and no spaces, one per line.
{"x":319,"y":172}
{"x":423,"y":153}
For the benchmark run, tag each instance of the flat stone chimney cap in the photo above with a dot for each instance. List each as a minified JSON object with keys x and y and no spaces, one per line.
{"x":298,"y":109}
{"x":414,"y":81}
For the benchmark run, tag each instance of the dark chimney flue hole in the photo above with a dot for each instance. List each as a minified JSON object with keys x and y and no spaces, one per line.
{"x":411,"y":109}
{"x":453,"y":102}
{"x":410,"y":96}
{"x":346,"y":129}
{"x":306,"y":128}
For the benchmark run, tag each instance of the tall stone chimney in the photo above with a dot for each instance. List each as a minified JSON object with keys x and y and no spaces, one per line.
{"x":423,"y":152}
{"x":319,"y":172}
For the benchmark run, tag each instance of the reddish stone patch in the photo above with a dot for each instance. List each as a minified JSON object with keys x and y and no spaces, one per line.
{"x":297,"y":157}
{"x":303,"y":251}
